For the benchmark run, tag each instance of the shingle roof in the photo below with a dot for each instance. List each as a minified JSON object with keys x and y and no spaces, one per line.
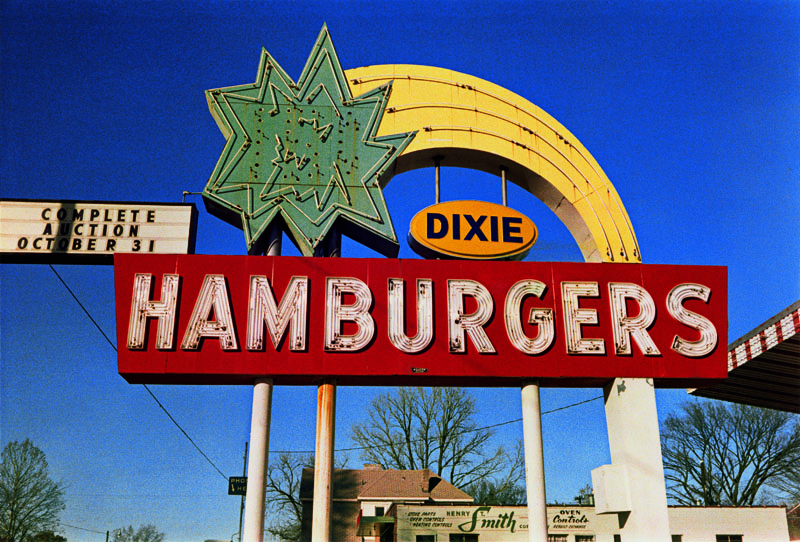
{"x":378,"y":484}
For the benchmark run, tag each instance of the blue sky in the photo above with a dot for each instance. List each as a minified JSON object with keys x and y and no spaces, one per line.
{"x":691,"y":108}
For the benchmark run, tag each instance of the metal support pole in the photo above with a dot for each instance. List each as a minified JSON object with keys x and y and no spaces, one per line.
{"x":331,"y":246}
{"x":257,"y":466}
{"x":259,"y":437}
{"x":241,"y":506}
{"x":334,"y":248}
{"x":323,"y":461}
{"x":534,"y":462}
{"x":437,"y":160}
{"x":503,"y":184}
{"x":274,"y":240}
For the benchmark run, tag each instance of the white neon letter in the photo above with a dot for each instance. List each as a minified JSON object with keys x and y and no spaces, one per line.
{"x":212,"y":299}
{"x":264,"y":310}
{"x":424,"y":335}
{"x":708,"y":333}
{"x":624,"y":326}
{"x":472,"y":324}
{"x":543,"y":318}
{"x":358,"y":312}
{"x":142,"y":309}
{"x":574,"y":317}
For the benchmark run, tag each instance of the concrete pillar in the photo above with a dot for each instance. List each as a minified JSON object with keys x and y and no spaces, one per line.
{"x":534,"y":462}
{"x":257,"y":465}
{"x":323,"y":462}
{"x":634,"y":442}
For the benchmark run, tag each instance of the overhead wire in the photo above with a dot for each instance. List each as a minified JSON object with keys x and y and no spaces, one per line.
{"x":475,"y":430}
{"x":355,"y":448}
{"x":111,"y":343}
{"x":61,"y":524}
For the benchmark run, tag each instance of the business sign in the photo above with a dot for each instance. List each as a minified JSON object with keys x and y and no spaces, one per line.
{"x":476,"y":230}
{"x":237,"y":485}
{"x":304,"y":157}
{"x":92,"y":232}
{"x":230,"y":319}
{"x":498,"y":523}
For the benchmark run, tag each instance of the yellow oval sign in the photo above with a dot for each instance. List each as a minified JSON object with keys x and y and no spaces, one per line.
{"x":475,"y":230}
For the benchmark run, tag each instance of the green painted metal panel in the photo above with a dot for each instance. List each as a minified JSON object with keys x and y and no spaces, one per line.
{"x":304,"y":156}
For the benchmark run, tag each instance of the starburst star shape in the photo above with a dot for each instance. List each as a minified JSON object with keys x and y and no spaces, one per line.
{"x":304,"y":157}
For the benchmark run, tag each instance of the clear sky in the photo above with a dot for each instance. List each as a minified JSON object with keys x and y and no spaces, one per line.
{"x":691,"y":108}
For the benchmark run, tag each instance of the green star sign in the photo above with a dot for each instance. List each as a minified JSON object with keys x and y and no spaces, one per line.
{"x":304,"y":157}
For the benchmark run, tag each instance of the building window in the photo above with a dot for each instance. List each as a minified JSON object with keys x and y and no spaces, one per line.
{"x":729,"y":538}
{"x":584,"y":538}
{"x":379,"y":510}
{"x":426,"y":538}
{"x":617,"y":538}
{"x":459,"y":537}
{"x":556,"y":538}
{"x":677,"y":538}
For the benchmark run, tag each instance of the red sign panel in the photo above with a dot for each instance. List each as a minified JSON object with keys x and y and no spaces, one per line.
{"x":230,"y":319}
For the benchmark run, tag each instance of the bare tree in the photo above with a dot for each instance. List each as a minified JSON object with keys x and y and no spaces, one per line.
{"x":787,"y":485}
{"x":145,"y":533}
{"x":283,"y":493}
{"x":721,"y":453}
{"x":30,"y":501}
{"x":505,"y":490}
{"x":433,"y":428}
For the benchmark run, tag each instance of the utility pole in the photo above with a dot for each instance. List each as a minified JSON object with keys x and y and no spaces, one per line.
{"x":241,"y":508}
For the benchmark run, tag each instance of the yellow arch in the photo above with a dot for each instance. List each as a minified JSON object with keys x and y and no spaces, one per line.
{"x":476,"y":124}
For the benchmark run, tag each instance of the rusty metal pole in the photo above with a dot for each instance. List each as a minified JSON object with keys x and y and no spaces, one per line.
{"x":259,"y":438}
{"x":323,"y":461}
{"x":326,"y":418}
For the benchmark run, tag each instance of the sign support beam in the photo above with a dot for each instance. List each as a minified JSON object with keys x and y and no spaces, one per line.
{"x":257,"y":466}
{"x":259,"y":435}
{"x":504,"y":186}
{"x":323,"y":461}
{"x":634,"y":442}
{"x":534,"y":462}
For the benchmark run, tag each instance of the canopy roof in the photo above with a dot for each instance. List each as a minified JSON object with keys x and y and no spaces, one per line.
{"x":764,"y":366}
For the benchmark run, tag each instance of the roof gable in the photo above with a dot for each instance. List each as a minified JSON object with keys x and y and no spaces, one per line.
{"x":389,"y":485}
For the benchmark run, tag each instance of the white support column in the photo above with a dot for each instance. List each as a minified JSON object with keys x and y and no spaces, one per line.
{"x":323,"y":462}
{"x":257,"y":465}
{"x":534,"y":462}
{"x":634,"y":442}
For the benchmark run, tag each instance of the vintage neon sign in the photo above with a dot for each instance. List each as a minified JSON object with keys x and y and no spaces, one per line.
{"x":226,"y":319}
{"x":476,"y":230}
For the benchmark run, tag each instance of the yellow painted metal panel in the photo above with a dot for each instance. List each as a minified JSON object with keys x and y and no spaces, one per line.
{"x":476,"y":124}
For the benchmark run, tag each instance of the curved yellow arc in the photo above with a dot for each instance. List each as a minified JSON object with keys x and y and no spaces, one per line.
{"x":473,"y":123}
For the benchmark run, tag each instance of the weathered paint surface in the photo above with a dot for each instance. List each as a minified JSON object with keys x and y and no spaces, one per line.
{"x":476,"y":124}
{"x":304,"y":156}
{"x":490,"y":325}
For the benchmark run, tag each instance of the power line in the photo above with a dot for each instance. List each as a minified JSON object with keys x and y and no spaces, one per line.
{"x":111,"y":343}
{"x":357,"y":448}
{"x":81,"y":528}
{"x":184,"y":432}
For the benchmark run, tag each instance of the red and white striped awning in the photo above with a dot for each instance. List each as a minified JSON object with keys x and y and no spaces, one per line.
{"x":764,"y":366}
